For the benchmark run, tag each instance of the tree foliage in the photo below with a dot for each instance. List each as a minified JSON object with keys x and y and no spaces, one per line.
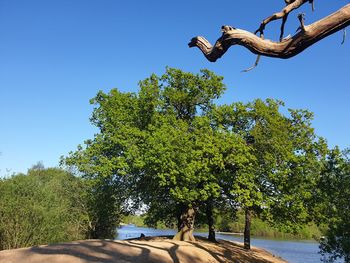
{"x":284,"y":162}
{"x":44,"y":206}
{"x":335,"y":206}
{"x":153,"y":142}
{"x":172,"y":148}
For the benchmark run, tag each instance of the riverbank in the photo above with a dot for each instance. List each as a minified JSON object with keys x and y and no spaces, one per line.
{"x":259,"y":228}
{"x":155,"y":249}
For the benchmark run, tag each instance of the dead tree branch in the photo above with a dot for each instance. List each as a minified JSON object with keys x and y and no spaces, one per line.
{"x":254,"y":66}
{"x":285,"y":49}
{"x":283,"y":14}
{"x":344,"y":36}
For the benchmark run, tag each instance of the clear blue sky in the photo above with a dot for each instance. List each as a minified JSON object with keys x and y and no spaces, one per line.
{"x":55,"y":55}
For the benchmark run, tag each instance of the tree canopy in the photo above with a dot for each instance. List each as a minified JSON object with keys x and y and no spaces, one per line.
{"x":172,"y":148}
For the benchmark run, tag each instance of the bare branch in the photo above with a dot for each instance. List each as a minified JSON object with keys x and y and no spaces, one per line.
{"x":283,"y":14}
{"x":254,"y":66}
{"x":312,"y":2}
{"x":284,"y":20}
{"x":287,"y":48}
{"x":301,"y":18}
{"x":344,"y":36}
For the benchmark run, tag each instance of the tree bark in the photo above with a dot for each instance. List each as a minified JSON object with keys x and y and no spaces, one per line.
{"x":186,"y":225}
{"x":210,"y":219}
{"x":289,"y":47}
{"x":247,"y":228}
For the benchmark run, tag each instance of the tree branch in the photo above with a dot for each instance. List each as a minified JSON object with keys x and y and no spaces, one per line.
{"x":287,"y":48}
{"x":290,"y":6}
{"x":301,"y":18}
{"x":344,"y":36}
{"x":254,"y":66}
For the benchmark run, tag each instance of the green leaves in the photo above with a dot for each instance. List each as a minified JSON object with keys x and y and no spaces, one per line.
{"x":334,"y":206}
{"x":159,"y":141}
{"x":171,"y":145}
{"x":185,"y":94}
{"x":282,"y":158}
{"x":45,"y":206}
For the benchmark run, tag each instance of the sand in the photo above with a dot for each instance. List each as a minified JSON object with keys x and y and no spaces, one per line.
{"x":155,"y":250}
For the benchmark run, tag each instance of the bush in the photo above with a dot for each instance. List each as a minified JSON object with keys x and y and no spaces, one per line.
{"x":45,"y":206}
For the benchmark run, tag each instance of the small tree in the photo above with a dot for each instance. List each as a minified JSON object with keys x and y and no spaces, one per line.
{"x":106,"y":193}
{"x":284,"y":169}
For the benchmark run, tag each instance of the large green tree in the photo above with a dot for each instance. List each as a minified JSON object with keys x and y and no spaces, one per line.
{"x":157,"y":143}
{"x":169,"y":146}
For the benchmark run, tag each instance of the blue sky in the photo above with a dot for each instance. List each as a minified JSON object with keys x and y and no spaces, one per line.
{"x":55,"y":55}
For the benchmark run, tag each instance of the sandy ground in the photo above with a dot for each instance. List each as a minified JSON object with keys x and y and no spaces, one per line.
{"x":155,"y":250}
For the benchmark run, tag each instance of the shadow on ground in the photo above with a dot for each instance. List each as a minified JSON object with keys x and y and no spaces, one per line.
{"x":137,"y":251}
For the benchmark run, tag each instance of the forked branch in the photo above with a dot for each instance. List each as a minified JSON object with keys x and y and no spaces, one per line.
{"x":283,"y":14}
{"x":285,"y":49}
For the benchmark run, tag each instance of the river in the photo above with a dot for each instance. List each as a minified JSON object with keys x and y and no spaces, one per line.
{"x":292,"y":251}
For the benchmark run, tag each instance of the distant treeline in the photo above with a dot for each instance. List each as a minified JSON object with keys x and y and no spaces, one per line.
{"x":226,"y":223}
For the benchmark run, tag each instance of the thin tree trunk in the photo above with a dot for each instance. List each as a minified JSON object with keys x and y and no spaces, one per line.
{"x":186,"y":226}
{"x":247,"y":228}
{"x":209,"y":212}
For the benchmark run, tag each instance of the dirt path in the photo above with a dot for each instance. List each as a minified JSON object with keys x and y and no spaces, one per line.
{"x":156,"y":250}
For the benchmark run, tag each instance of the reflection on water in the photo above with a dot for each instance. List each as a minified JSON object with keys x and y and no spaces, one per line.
{"x":293,"y":251}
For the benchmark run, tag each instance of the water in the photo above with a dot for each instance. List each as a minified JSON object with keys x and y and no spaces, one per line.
{"x":292,"y":251}
{"x":131,"y":231}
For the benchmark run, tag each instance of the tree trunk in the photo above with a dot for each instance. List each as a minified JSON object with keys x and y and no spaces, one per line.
{"x":209,"y":212}
{"x":247,"y":228}
{"x":178,"y":217}
{"x":186,"y":225}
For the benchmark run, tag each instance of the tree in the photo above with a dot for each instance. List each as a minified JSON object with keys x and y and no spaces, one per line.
{"x":159,"y":144}
{"x":287,"y":47}
{"x":177,"y":139}
{"x":189,"y":164}
{"x":284,"y":167}
{"x":171,"y":148}
{"x":101,"y":166}
{"x":335,"y":206}
{"x":104,"y":201}
{"x":44,"y":206}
